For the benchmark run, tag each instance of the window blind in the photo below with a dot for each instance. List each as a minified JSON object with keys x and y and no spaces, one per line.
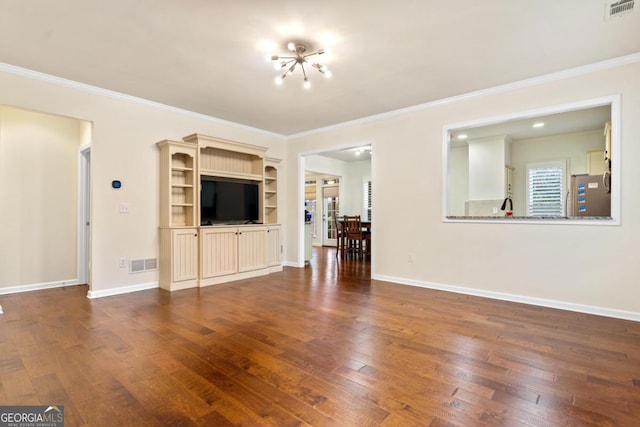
{"x":545,"y":190}
{"x":366,"y":200}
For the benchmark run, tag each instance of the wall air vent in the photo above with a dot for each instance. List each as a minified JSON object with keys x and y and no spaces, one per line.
{"x":142,"y":265}
{"x":617,"y":8}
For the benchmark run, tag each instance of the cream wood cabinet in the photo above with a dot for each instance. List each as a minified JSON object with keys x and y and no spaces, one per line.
{"x":218,"y":252}
{"x":271,"y":191}
{"x":273,"y":245}
{"x":178,"y":186}
{"x":252,"y":248}
{"x":178,"y":258}
{"x":194,"y":255}
{"x":596,"y":162}
{"x":238,"y":251}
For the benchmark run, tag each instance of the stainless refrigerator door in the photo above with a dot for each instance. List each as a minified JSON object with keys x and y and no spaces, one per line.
{"x":590,"y":196}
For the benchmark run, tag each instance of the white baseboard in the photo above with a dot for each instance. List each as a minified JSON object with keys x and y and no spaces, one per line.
{"x":580,"y":308}
{"x":38,"y":286}
{"x":121,"y":290}
{"x":292,"y":264}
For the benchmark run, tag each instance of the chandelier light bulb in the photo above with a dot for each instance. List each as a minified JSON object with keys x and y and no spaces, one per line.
{"x":299,"y":55}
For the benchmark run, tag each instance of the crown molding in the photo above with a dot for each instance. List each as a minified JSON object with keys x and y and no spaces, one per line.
{"x":59,"y":81}
{"x":546,"y":78}
{"x":572,"y":72}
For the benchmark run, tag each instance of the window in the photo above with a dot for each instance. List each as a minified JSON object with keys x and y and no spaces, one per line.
{"x":545,"y":189}
{"x":366,"y":199}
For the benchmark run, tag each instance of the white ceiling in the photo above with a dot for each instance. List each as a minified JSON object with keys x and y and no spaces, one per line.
{"x":581,"y":120}
{"x":207,"y":56}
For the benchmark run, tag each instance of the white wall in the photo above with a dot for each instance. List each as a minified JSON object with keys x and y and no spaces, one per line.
{"x":487,"y":160}
{"x":38,"y":194}
{"x":458,"y":179}
{"x":577,"y":264}
{"x":123,"y":148}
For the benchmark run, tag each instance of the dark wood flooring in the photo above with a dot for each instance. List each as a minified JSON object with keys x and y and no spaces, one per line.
{"x":320,"y":346}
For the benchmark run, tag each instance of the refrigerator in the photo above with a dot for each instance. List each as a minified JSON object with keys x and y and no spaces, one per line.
{"x":589,"y":196}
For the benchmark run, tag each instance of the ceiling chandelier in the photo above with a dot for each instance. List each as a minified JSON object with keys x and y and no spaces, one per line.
{"x":299,"y":57}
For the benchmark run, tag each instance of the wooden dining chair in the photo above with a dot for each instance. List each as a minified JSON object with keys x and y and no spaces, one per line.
{"x":352,"y":229}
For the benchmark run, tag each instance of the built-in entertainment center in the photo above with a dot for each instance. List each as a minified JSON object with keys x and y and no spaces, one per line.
{"x":218,"y":212}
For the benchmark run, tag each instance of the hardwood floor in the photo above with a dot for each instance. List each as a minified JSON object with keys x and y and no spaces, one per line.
{"x":321,"y":346}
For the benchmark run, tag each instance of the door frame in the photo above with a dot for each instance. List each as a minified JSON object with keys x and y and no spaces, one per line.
{"x":300,"y":196}
{"x":84,"y":215}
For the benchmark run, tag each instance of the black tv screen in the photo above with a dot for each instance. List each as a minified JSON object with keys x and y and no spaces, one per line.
{"x":228,"y":201}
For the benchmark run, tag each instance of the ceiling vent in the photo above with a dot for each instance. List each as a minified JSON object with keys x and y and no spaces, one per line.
{"x":617,"y":8}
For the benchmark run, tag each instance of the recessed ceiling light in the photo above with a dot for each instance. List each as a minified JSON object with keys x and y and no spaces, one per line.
{"x":462,"y":136}
{"x":538,"y":125}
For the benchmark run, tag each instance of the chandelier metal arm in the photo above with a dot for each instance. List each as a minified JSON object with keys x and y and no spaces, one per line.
{"x":301,"y":57}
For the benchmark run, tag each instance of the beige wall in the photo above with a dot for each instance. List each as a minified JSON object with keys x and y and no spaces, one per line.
{"x":584,"y":265}
{"x":123,"y":147}
{"x":38,"y":195}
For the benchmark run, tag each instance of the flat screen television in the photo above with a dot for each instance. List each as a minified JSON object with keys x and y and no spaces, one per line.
{"x":227,"y":201}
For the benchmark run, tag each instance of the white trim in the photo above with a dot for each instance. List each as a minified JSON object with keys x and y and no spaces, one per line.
{"x":300,"y":215}
{"x":84,"y":178}
{"x":38,"y":286}
{"x":36,"y":75}
{"x":292,"y":264}
{"x":541,"y":302}
{"x":122,"y":290}
{"x":547,"y":78}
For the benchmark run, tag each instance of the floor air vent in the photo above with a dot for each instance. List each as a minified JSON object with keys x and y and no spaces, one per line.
{"x":141,"y":265}
{"x":620,"y":8}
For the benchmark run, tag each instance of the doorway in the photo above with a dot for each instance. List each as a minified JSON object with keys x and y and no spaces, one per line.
{"x":350,"y":193}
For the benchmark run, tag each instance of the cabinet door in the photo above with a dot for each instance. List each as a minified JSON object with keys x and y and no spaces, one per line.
{"x":218,"y":251}
{"x":252,"y":245}
{"x":184,"y":256}
{"x":596,"y":162}
{"x":273,"y":246}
